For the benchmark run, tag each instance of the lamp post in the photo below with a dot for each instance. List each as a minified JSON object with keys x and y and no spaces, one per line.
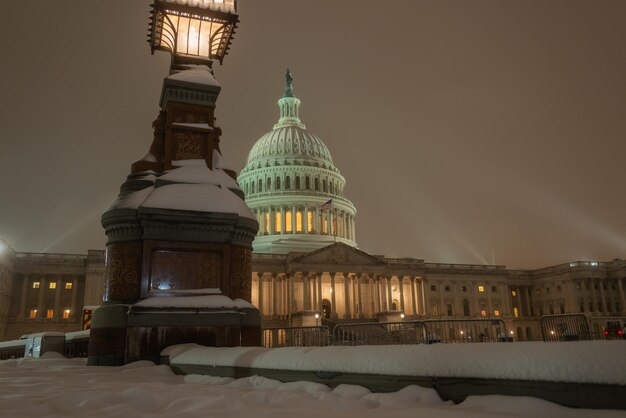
{"x":179,"y":226}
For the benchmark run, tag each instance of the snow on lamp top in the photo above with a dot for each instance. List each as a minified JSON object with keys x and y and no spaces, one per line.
{"x":195,"y":29}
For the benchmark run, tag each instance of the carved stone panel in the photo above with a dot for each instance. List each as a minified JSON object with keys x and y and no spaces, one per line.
{"x":240,"y":284}
{"x":189,"y":145}
{"x":173,"y":267}
{"x":123,"y":272}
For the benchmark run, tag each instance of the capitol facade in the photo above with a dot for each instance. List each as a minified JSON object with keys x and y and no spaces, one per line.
{"x":307,"y":268}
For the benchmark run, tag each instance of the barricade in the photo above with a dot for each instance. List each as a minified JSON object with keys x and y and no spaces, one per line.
{"x":565,"y":327}
{"x":378,"y":333}
{"x":296,"y":337}
{"x":465,"y":331}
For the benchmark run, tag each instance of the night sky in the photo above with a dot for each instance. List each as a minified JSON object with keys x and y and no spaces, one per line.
{"x":467,"y":131}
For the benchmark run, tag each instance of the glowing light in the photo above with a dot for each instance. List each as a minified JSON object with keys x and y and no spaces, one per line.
{"x":551,"y":332}
{"x":401,"y":316}
{"x":317,"y":316}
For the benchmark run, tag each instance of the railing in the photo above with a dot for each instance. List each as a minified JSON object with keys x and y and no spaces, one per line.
{"x":465,"y":331}
{"x":566,"y":327}
{"x":296,"y":337}
{"x":378,"y":333}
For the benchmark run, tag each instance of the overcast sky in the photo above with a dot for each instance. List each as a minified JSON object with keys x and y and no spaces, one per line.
{"x":467,"y":131}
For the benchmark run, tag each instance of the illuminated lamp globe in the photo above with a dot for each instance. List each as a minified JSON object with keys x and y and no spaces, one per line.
{"x":193,"y":31}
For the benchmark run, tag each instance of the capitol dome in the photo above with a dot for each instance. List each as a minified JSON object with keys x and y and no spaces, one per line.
{"x":294,"y":189}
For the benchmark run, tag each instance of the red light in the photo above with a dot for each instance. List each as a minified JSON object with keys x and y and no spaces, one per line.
{"x":619,"y":332}
{"x":606,"y":333}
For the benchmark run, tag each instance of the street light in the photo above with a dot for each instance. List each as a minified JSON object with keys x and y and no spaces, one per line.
{"x":317,"y":317}
{"x":193,"y":31}
{"x":402,"y":316}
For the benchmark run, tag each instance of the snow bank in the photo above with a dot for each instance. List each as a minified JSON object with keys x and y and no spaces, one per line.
{"x":204,"y":302}
{"x":67,"y":388}
{"x":600,"y":362}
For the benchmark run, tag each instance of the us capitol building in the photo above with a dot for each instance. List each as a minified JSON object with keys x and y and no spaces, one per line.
{"x":307,"y":261}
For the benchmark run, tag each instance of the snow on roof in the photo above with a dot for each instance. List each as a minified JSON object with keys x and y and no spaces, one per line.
{"x":204,"y":302}
{"x":579,"y":362}
{"x":196,"y":74}
{"x":197,"y":172}
{"x":76,"y":335}
{"x":220,"y":5}
{"x":219,"y":162}
{"x":198,"y":198}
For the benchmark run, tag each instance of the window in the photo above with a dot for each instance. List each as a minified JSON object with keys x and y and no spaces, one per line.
{"x":562,"y":307}
{"x":260,"y":185}
{"x":36,"y":285}
{"x":253,"y":191}
{"x":483,"y":313}
{"x":68,"y":285}
{"x":551,"y":309}
{"x":494,"y":289}
{"x":496,"y":311}
{"x":433,"y":288}
{"x":297,"y":182}
{"x":538,"y":291}
{"x":515,"y":312}
{"x":317,"y":184}
{"x":33,"y":314}
{"x":50,"y":313}
{"x":277,"y":183}
{"x":307,"y":183}
{"x":287,"y":183}
{"x":299,"y":221}
{"x":66,"y":313}
{"x":268,"y":184}
{"x":325,"y":222}
{"x":558,"y":288}
{"x":464,"y":288}
{"x":481,"y":289}
{"x":267,"y":223}
{"x":547,"y":290}
{"x":466,"y":308}
{"x":52,"y":285}
{"x":513,"y":293}
{"x":288,"y":222}
{"x":310,"y":222}
{"x":325,"y":186}
{"x":278,"y":222}
{"x":449,"y":309}
{"x":447,"y":288}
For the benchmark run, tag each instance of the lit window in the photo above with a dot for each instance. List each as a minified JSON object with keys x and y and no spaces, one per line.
{"x":52,"y":285}
{"x":515,"y":312}
{"x":538,"y":291}
{"x":288,"y":222}
{"x":325,"y":226}
{"x":299,"y":221}
{"x":68,"y":285}
{"x":267,"y":223}
{"x":310,"y":220}
{"x":66,"y":313}
{"x":50,"y":313}
{"x":483,"y":313}
{"x":513,"y":293}
{"x":36,"y":285}
{"x":33,"y":314}
{"x":481,"y":289}
{"x":278,"y":222}
{"x":496,"y":312}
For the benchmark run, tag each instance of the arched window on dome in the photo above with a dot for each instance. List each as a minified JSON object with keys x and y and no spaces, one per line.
{"x":277,"y":183}
{"x":260,"y":185}
{"x":252,"y":184}
{"x":268,"y":184}
{"x":297,"y":182}
{"x":332,"y":188}
{"x":287,"y":183}
{"x":317,"y":184}
{"x":307,"y":183}
{"x":324,"y":186}
{"x":298,"y":220}
{"x":288,"y":222}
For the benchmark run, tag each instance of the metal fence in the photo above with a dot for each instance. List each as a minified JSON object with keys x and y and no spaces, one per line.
{"x":566,"y":327}
{"x":296,"y":337}
{"x":465,"y":331}
{"x":378,"y":333}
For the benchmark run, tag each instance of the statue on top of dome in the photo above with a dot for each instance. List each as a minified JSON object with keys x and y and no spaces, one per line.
{"x":289,"y":89}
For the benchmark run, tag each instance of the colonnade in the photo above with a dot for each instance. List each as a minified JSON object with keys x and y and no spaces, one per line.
{"x":40,"y":298}
{"x":306,"y":220}
{"x":596,"y":296}
{"x":342,"y":295}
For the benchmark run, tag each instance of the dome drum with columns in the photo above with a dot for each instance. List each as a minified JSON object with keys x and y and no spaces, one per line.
{"x":288,"y":180}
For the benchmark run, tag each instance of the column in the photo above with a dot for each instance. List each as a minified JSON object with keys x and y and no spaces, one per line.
{"x":73,"y":306}
{"x":261,"y":293}
{"x":594,"y":301}
{"x":25,"y":285}
{"x":605,"y":312}
{"x":316,"y":221}
{"x":385,"y":293}
{"x":401,"y":280}
{"x":421,"y":303}
{"x":293,"y":220}
{"x":622,"y":299}
{"x":40,"y":300}
{"x":319,"y":292}
{"x":425,"y":298}
{"x":262,"y":231}
{"x":272,"y":294}
{"x":413,"y":298}
{"x":489,"y":305}
{"x":289,"y":296}
{"x":272,"y":212}
{"x":476,"y":309}
{"x":359,"y":295}
{"x":527,"y":293}
{"x":377,"y":306}
{"x":306,"y":301}
{"x":305,"y":220}
{"x":333,"y":299}
{"x":372,"y":295}
{"x":57,"y":299}
{"x":346,"y":291}
{"x":283,"y":221}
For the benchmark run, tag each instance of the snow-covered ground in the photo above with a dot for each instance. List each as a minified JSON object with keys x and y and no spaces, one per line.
{"x":57,"y":387}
